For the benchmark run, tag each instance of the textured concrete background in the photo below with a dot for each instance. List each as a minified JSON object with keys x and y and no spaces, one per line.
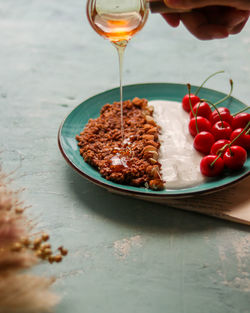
{"x":125,"y":255}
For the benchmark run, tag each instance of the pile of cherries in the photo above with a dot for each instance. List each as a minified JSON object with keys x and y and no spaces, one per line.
{"x":222,"y":137}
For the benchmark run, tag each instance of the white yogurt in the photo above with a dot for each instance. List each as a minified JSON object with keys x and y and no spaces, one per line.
{"x":180,"y":161}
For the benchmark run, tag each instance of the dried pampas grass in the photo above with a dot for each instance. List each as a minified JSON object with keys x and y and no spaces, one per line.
{"x":19,"y":292}
{"x":26,"y":294}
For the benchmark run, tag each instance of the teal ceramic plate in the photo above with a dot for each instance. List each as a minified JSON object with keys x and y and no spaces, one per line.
{"x":90,"y":108}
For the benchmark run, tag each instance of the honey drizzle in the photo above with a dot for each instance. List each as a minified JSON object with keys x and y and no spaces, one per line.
{"x":122,"y":158}
{"x":120,"y":47}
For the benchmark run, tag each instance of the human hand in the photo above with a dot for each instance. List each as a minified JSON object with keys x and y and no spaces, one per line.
{"x":210,"y":22}
{"x":194,"y":4}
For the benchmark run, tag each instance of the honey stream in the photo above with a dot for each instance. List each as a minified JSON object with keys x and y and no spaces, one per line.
{"x":120,"y":47}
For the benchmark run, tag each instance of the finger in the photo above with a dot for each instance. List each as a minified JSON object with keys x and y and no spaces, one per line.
{"x":172,"y":19}
{"x":233,"y":17}
{"x":212,"y":31}
{"x":237,"y":29}
{"x":226,"y":16}
{"x":198,"y":25}
{"x":192,"y":4}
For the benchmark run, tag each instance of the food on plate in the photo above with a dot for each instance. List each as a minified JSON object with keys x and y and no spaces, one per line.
{"x":180,"y":161}
{"x":212,"y":131}
{"x":157,"y":150}
{"x":132,"y":159}
{"x":166,"y":144}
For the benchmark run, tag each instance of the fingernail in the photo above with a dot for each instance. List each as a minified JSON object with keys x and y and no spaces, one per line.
{"x":239,"y":19}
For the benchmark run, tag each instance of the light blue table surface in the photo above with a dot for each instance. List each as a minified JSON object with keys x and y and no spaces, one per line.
{"x":125,"y":255}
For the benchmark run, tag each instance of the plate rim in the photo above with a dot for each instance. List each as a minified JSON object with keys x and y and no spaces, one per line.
{"x":118,"y":189}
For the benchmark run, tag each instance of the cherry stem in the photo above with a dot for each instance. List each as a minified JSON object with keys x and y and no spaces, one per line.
{"x":191,"y":108}
{"x":212,"y":164}
{"x":245,"y":128}
{"x":243,"y":110}
{"x":210,"y":76}
{"x":222,"y":149}
{"x":196,"y":114}
{"x":214,"y":106}
{"x":227,"y":96}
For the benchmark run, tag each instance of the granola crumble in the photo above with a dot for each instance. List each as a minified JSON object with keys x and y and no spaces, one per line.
{"x":133,"y":161}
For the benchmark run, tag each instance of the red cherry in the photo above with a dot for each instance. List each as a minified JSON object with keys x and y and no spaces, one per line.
{"x":235,"y":157}
{"x":203,"y":125}
{"x":224,"y":109}
{"x":243,"y":140}
{"x":203,"y":142}
{"x":211,"y":170}
{"x":185,"y":101}
{"x":218,"y":145}
{"x":240,"y":120}
{"x":221,"y":132}
{"x":224,"y":115}
{"x":203,"y":110}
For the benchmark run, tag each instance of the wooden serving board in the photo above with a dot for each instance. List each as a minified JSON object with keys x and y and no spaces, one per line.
{"x":232,"y":203}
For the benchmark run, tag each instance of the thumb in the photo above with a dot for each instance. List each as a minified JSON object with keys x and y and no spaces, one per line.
{"x":193,"y":4}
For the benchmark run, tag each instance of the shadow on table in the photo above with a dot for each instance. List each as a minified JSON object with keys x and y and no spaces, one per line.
{"x":139,"y":214}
